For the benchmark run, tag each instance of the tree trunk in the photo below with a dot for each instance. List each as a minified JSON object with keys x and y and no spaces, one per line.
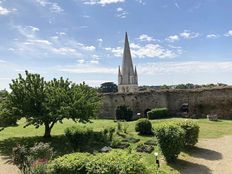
{"x":47,"y":133}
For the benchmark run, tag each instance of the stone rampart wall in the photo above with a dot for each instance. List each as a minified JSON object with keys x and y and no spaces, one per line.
{"x":201,"y":101}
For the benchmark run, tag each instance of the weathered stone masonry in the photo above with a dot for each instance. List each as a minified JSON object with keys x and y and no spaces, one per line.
{"x":201,"y":101}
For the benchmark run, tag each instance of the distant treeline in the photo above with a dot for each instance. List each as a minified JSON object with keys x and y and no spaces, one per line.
{"x":182,"y":86}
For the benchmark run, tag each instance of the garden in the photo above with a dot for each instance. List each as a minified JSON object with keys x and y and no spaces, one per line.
{"x":49,"y":127}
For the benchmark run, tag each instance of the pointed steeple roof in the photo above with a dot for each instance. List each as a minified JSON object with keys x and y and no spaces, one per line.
{"x":127,"y":65}
{"x":135,"y":71}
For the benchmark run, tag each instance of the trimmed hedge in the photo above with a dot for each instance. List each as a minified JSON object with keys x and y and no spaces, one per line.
{"x":191,"y":131}
{"x":143,"y":126}
{"x":171,"y":139}
{"x":124,"y":113}
{"x":158,"y":113}
{"x":115,"y":162}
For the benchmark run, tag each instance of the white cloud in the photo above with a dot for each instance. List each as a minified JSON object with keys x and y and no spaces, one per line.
{"x":144,"y":37}
{"x":147,"y":50}
{"x":141,"y":2}
{"x":177,"y":5}
{"x":53,"y":7}
{"x":121,"y":13}
{"x":184,"y":67}
{"x":172,"y":38}
{"x":2,"y":61}
{"x":60,"y":45}
{"x":101,"y":2}
{"x":212,"y":36}
{"x":229,"y":33}
{"x":27,"y":31}
{"x":189,"y":35}
{"x":89,"y":69}
{"x":5,"y":11}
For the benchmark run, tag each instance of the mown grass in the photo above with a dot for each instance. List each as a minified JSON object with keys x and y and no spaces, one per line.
{"x":12,"y":136}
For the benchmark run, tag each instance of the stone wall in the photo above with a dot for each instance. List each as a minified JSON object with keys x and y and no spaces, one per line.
{"x":201,"y":102}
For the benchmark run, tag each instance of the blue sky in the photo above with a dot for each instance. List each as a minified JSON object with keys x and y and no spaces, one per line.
{"x":172,"y":41}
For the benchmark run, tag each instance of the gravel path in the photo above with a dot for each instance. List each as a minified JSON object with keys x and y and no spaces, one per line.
{"x":7,"y":167}
{"x":211,"y":156}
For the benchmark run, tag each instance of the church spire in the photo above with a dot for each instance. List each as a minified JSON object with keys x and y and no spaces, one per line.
{"x":127,"y":75}
{"x":127,"y":65}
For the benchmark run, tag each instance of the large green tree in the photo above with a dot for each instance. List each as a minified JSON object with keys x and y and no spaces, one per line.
{"x":46,"y":103}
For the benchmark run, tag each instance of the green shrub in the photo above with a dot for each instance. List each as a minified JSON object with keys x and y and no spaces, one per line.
{"x":191,"y":131}
{"x":41,"y":151}
{"x":39,"y":169}
{"x":158,"y":113}
{"x":79,"y":136}
{"x":124,"y":113}
{"x":143,"y":127}
{"x":70,"y":164}
{"x":171,"y":140}
{"x":114,"y":162}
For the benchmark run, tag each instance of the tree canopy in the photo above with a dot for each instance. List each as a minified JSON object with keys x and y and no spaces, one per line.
{"x":108,"y":87}
{"x":48,"y":102}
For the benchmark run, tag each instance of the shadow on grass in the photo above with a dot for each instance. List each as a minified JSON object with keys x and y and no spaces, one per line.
{"x":199,"y":152}
{"x":59,"y":144}
{"x":186,"y":167}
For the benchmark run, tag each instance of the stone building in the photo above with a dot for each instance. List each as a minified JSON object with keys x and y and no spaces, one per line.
{"x":127,"y":76}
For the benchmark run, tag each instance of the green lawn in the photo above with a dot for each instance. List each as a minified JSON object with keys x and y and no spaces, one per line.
{"x":11,"y":136}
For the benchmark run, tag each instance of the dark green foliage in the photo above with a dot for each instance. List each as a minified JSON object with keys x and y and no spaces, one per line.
{"x":32,"y":160}
{"x":158,"y":113}
{"x":171,"y":139}
{"x":124,"y":113}
{"x":7,"y":114}
{"x":46,"y":103}
{"x":191,"y":131}
{"x":41,"y":151}
{"x":116,"y":162}
{"x":39,"y":169}
{"x":144,"y":127}
{"x":81,"y":136}
{"x":108,"y":87}
{"x":20,"y":157}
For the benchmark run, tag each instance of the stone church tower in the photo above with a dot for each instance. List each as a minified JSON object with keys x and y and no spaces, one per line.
{"x":127,"y":75}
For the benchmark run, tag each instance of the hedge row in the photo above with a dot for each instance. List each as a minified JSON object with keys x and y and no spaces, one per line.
{"x":158,"y":113}
{"x":115,"y":162}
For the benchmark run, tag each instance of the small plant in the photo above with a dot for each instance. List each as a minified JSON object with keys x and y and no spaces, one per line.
{"x":143,"y":127}
{"x":115,"y":142}
{"x":109,"y":132}
{"x":171,"y":138}
{"x":32,"y":160}
{"x":158,"y":113}
{"x":119,"y":126}
{"x":20,"y":157}
{"x":125,"y":127}
{"x":39,"y":169}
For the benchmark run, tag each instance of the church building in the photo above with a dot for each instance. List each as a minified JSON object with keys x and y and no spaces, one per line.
{"x":127,"y":75}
